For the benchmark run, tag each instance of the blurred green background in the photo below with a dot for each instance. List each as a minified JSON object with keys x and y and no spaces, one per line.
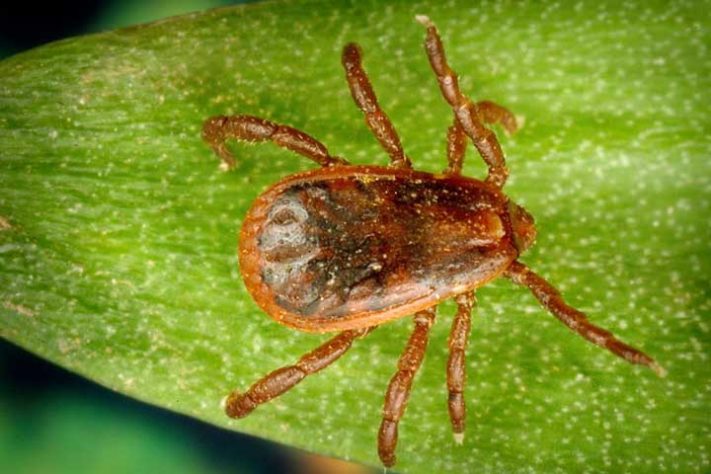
{"x":52,"y":421}
{"x":24,"y":25}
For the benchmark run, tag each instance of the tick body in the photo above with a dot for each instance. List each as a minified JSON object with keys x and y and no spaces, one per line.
{"x":354,"y":246}
{"x":347,"y":248}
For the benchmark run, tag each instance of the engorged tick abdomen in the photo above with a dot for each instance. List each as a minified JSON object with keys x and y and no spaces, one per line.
{"x":352,"y":246}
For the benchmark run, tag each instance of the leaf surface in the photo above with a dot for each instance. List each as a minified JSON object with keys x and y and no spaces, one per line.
{"x":118,"y":232}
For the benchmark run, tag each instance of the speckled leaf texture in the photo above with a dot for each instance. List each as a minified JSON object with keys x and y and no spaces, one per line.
{"x":118,"y":231}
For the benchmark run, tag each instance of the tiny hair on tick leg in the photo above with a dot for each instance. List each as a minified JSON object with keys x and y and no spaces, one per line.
{"x":346,"y":248}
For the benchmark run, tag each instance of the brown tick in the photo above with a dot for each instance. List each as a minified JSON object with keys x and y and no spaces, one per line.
{"x":347,"y":248}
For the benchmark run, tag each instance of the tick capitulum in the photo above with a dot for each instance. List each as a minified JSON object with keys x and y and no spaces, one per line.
{"x":347,"y":248}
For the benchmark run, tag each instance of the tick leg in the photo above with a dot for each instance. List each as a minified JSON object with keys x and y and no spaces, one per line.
{"x":465,"y":111}
{"x":456,"y":148}
{"x":239,"y":405}
{"x":456,"y":366}
{"x":493,"y":113}
{"x":490,"y":113}
{"x":399,"y":389}
{"x":217,"y":130}
{"x":551,"y":299}
{"x":375,"y":118}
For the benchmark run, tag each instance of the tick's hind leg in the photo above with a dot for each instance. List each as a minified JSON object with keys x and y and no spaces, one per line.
{"x":217,"y":130}
{"x":551,"y":299}
{"x":464,"y":109}
{"x":399,"y":389}
{"x":375,"y":118}
{"x":239,"y":405}
{"x":456,"y":365}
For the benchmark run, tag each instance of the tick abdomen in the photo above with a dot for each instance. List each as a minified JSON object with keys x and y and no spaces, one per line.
{"x":343,"y":243}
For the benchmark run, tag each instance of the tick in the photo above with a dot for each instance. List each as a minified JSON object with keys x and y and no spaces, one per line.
{"x":346,"y":248}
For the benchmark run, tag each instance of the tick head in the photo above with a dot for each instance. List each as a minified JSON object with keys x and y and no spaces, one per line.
{"x":523,"y":225}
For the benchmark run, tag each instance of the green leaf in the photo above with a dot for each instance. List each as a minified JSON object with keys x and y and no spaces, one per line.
{"x":118,"y":232}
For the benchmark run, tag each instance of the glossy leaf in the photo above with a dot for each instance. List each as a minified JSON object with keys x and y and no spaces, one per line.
{"x":118,"y":232}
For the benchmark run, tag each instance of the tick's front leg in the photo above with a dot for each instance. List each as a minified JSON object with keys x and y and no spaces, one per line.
{"x":456,"y":148}
{"x":551,"y":299}
{"x":464,"y":109}
{"x":490,"y":113}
